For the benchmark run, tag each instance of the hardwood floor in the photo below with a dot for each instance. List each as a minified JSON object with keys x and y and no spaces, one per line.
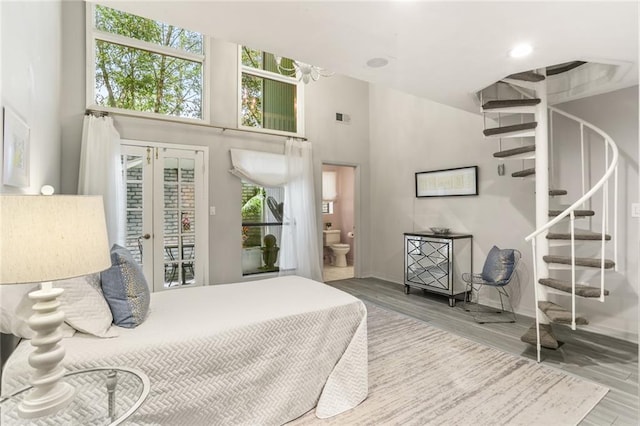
{"x":609,"y":361}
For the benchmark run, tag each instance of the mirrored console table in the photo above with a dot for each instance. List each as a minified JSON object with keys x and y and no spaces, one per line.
{"x":436,"y":262}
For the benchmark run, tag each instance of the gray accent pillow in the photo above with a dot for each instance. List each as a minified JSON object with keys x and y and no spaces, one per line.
{"x":499,"y":265}
{"x":125,"y":289}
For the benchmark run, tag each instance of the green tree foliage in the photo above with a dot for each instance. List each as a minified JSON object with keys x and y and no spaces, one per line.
{"x":140,"y":80}
{"x":267,"y":103}
{"x":252,"y":89}
{"x":252,"y":204}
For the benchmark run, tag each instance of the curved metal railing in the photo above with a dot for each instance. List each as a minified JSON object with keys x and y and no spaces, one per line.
{"x":611,"y":170}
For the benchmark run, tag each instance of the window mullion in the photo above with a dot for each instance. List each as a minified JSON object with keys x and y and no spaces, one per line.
{"x":269,"y":75}
{"x":144,"y":45}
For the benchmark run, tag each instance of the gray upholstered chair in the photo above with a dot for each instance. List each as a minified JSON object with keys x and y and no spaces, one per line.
{"x":498,"y":271}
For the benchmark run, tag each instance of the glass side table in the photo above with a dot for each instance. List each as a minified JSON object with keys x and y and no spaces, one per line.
{"x":104,"y":396}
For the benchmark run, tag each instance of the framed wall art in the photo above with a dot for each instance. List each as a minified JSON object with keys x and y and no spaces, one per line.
{"x":16,"y":150}
{"x":447,"y":182}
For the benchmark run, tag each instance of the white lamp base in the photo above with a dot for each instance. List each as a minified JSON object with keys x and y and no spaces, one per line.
{"x":49,"y":394}
{"x":54,"y":400}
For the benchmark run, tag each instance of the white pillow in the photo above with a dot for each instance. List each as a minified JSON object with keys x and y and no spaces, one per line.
{"x":15,"y":310}
{"x":85,"y":307}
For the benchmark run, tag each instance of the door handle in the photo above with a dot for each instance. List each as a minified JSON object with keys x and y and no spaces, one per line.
{"x":146,"y":236}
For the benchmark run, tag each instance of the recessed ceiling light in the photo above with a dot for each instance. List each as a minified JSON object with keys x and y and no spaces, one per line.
{"x":521,"y":50}
{"x":377,"y":62}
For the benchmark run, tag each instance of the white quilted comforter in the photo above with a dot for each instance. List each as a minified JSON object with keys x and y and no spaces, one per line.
{"x":262,"y":352}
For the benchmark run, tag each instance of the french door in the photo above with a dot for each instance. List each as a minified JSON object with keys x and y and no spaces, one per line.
{"x":166,"y":212}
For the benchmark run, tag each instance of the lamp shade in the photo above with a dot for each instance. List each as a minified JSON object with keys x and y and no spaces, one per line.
{"x":48,"y":238}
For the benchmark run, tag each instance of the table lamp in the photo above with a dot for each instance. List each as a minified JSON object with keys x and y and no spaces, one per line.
{"x":43,"y":239}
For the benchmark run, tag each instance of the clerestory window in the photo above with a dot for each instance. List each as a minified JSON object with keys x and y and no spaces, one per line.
{"x":270,"y":98}
{"x":138,"y":64}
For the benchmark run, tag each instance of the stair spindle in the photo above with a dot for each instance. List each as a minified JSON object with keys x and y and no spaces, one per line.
{"x":572,"y":219}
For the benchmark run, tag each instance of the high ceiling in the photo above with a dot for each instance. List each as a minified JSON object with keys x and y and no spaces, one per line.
{"x":443,"y":51}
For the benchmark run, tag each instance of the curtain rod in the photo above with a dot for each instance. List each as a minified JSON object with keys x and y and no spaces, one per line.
{"x":99,"y":113}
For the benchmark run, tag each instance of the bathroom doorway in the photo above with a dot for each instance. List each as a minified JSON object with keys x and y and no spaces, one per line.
{"x":338,"y":222}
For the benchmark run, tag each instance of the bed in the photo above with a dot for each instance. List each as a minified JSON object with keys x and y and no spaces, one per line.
{"x":261,"y":352}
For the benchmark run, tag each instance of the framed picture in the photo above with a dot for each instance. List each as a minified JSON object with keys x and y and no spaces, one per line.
{"x":16,"y":150}
{"x":447,"y":182}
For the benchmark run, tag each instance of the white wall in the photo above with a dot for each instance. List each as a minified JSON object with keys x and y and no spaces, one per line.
{"x":344,"y":144}
{"x":31,"y":54}
{"x":409,"y":135}
{"x":616,"y":113}
{"x":321,"y":99}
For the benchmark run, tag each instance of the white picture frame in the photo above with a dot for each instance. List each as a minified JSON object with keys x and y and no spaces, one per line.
{"x":16,"y":151}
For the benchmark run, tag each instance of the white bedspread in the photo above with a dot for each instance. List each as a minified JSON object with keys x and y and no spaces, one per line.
{"x":262,"y":352}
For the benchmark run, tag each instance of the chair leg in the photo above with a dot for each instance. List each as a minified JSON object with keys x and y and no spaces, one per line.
{"x":501,"y":292}
{"x":467,"y":290}
{"x":513,"y":313}
{"x":476,"y":313}
{"x":172,"y":274}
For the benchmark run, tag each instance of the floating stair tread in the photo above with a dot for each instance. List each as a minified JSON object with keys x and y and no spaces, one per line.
{"x":547,"y":339}
{"x":579,"y":235}
{"x":524,"y":173}
{"x":582,"y":290}
{"x":558,"y":314}
{"x":556,"y":192}
{"x":560,"y":68}
{"x":507,"y":103}
{"x":515,"y":151}
{"x":580,"y":261}
{"x":527,"y":76}
{"x":509,"y":129}
{"x":577,"y":213}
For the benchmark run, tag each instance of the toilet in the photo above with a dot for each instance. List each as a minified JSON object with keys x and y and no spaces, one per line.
{"x":331,"y":238}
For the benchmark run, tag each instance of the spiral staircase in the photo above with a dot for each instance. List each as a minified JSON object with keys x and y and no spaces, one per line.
{"x":518,"y":103}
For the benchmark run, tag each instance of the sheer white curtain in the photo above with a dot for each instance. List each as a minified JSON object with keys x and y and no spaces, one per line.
{"x":299,"y":247}
{"x":101,"y":172}
{"x":294,"y":171}
{"x":261,"y":168}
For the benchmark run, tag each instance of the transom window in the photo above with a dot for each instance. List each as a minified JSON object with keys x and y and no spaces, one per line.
{"x":142,"y":65}
{"x":270,"y":99}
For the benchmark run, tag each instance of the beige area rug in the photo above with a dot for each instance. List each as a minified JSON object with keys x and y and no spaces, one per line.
{"x":420,"y":375}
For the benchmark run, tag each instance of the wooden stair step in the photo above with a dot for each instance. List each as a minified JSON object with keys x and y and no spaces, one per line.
{"x":508,"y":103}
{"x":576,"y":213}
{"x":579,"y":235}
{"x":547,"y":339}
{"x":509,"y":129}
{"x":591,"y":262}
{"x":515,"y":151}
{"x":524,"y":173}
{"x":527,"y":76}
{"x":558,"y":314}
{"x":582,"y":290}
{"x":560,"y":68}
{"x":556,"y":192}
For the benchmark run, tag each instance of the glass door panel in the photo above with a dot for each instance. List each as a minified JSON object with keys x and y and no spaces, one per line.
{"x":165,"y":199}
{"x":139,"y":219}
{"x":181,"y":191}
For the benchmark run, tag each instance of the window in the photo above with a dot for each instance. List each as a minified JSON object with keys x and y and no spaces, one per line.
{"x":269,"y":99}
{"x":138,"y":64}
{"x":262,"y":210}
{"x":327,"y":207}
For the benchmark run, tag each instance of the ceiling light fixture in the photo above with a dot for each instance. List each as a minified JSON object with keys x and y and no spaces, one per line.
{"x":521,"y":50}
{"x":304,"y":72}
